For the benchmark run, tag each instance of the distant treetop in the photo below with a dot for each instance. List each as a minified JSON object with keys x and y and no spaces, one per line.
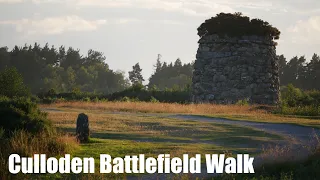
{"x":237,"y":25}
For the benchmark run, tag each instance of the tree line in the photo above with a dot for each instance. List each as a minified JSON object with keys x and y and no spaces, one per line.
{"x":300,"y":72}
{"x":173,"y":76}
{"x":61,"y":69}
{"x":176,"y":76}
{"x":66,"y":70}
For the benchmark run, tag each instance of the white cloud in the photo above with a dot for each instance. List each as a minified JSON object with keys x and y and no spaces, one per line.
{"x":306,"y":31}
{"x":104,"y":3}
{"x":54,"y":25}
{"x":168,"y":22}
{"x":59,"y":25}
{"x":206,"y":7}
{"x":11,"y":1}
{"x":125,"y":20}
{"x":252,"y":4}
{"x":194,"y":7}
{"x":189,"y":7}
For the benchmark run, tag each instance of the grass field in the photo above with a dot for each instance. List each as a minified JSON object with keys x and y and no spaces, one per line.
{"x":235,"y":112}
{"x":120,"y":134}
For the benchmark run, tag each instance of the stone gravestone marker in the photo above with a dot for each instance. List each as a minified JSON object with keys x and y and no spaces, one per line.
{"x":82,"y":130}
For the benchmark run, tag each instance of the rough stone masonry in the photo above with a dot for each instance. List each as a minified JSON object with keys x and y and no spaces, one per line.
{"x":229,"y":69}
{"x":82,"y":130}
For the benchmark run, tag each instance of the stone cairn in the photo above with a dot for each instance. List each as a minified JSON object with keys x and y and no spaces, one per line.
{"x":229,"y":69}
{"x":82,"y":130}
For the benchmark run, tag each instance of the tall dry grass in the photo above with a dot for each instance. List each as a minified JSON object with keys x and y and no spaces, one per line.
{"x":292,"y":152}
{"x":238,"y":112}
{"x":26,"y":145}
{"x":148,"y":107}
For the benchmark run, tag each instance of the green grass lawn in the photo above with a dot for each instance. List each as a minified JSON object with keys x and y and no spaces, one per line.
{"x":133,"y":134}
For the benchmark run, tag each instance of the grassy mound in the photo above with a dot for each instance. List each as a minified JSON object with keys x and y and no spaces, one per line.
{"x":237,"y":25}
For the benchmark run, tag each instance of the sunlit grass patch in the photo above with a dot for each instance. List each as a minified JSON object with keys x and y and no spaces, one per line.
{"x":236,"y":112}
{"x":120,"y":134}
{"x":158,"y":129}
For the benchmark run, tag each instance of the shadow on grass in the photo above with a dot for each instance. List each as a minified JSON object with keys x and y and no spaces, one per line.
{"x":127,"y":136}
{"x":136,"y":137}
{"x":156,"y":126}
{"x":243,"y":142}
{"x":233,"y":137}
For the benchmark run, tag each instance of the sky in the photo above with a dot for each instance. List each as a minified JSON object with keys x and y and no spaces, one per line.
{"x":131,"y":31}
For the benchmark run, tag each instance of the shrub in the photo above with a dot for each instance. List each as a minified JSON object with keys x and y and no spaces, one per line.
{"x":243,"y":102}
{"x":48,"y":100}
{"x":299,"y":110}
{"x":154,"y":100}
{"x":86,"y":99}
{"x":103,"y":100}
{"x":61,"y":100}
{"x":35,"y":99}
{"x":315,"y":96}
{"x":96,"y":100}
{"x":138,"y":94}
{"x":135,"y":93}
{"x":21,"y":113}
{"x":297,"y":102}
{"x":25,"y":130}
{"x":52,"y":92}
{"x":291,"y":95}
{"x":125,"y":99}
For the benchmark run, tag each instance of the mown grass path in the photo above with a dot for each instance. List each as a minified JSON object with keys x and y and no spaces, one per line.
{"x":297,"y":138}
{"x":299,"y":133}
